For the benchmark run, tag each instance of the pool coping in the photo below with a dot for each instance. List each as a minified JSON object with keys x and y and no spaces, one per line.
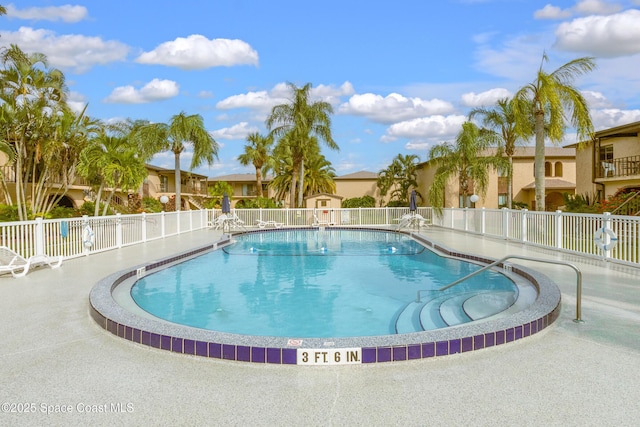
{"x":289,"y":351}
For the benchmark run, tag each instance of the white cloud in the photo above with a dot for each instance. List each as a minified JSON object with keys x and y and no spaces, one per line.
{"x":64,"y":13}
{"x":552,"y":12}
{"x":76,"y":101}
{"x":198,"y":52}
{"x":417,"y":146}
{"x":603,"y":36}
{"x":68,"y":51}
{"x":260,"y":100}
{"x":155,"y":90}
{"x":595,"y":99}
{"x":596,"y":7}
{"x":435,"y":127}
{"x":486,"y":98}
{"x":612,"y":117}
{"x":393,"y":107}
{"x":280,"y":94}
{"x":238,"y":131}
{"x":583,"y":8}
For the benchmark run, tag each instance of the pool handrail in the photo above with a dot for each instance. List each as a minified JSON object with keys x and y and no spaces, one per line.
{"x":548,"y":261}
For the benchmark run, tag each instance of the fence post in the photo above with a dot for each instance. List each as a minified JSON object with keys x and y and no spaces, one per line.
{"x":162,"y":223}
{"x":39,"y":243}
{"x":178,"y":222}
{"x":524,"y":225}
{"x":118,"y":231}
{"x":465,"y":217}
{"x":606,"y":224}
{"x":559,"y":229}
{"x":483,"y":217}
{"x":505,"y":223}
{"x":144,"y":226}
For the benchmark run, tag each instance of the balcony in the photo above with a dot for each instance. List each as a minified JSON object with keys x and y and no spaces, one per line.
{"x":617,"y":168}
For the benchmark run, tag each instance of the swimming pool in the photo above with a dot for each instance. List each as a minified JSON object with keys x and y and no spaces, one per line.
{"x":321,"y":284}
{"x":398,"y":253}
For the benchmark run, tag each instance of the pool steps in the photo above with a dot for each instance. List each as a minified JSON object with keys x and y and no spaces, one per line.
{"x":451,"y":310}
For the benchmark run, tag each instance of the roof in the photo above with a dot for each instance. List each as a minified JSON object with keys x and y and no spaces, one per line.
{"x":523,"y":152}
{"x":160,"y":169}
{"x":358,"y":175}
{"x":239,"y":177}
{"x":335,"y":196}
{"x":552,"y":184}
{"x":630,"y":129}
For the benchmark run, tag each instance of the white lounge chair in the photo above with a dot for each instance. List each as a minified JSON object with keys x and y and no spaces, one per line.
{"x":14,"y":263}
{"x":274,"y":224}
{"x":317,"y":222}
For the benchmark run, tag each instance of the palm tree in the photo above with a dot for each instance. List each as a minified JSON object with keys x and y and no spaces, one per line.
{"x":257,"y":152}
{"x":501,"y":119}
{"x":181,"y":130}
{"x":303,"y":123}
{"x":465,"y":160}
{"x":32,"y":97}
{"x":319,"y":175}
{"x":398,"y":178}
{"x":112,"y":162}
{"x":550,"y":96}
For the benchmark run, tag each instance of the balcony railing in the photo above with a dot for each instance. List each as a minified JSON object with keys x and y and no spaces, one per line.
{"x":623,"y":166}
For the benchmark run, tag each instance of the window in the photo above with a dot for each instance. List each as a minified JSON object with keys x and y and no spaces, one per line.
{"x":248,"y":189}
{"x":606,"y":153}
{"x":558,"y":169}
{"x":164,"y":184}
{"x":502,"y":200}
{"x":547,"y":168}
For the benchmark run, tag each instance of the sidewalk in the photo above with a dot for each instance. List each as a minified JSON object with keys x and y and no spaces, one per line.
{"x":54,"y":357}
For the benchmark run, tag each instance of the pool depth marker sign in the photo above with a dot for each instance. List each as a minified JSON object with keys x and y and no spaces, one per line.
{"x":329,"y":356}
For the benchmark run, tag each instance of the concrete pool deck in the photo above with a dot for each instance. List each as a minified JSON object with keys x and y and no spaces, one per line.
{"x":55,"y":357}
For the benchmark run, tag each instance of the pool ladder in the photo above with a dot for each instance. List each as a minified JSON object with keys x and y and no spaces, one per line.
{"x":546,"y":261}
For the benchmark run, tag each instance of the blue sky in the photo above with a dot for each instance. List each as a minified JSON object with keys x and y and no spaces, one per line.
{"x":401,"y":75}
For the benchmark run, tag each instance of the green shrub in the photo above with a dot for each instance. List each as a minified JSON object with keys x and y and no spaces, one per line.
{"x":359,"y":202}
{"x":149,"y":204}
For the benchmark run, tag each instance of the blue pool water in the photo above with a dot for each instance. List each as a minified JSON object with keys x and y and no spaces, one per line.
{"x":318,"y":283}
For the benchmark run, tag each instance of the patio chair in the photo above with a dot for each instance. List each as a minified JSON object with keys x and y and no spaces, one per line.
{"x":317,"y":222}
{"x":14,"y":263}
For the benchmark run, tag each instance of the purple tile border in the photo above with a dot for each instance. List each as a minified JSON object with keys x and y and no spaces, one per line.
{"x":288,"y":355}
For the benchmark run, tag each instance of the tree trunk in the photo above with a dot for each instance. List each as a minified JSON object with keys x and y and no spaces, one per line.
{"x":292,"y":190}
{"x":539,"y":161}
{"x":178,"y":181}
{"x":301,"y":184}
{"x":96,"y":210}
{"x":259,"y":182}
{"x":510,"y":184}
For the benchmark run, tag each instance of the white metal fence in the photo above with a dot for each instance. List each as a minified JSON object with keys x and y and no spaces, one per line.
{"x":575,"y":233}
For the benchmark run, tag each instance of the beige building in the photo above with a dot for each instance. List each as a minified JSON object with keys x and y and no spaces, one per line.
{"x":610,"y":162}
{"x":159,"y":182}
{"x":358,"y":184}
{"x":560,"y":177}
{"x":244,"y":186}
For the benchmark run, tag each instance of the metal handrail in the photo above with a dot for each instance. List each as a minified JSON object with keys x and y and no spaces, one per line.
{"x":548,"y":261}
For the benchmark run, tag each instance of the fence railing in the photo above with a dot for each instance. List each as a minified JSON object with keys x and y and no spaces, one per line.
{"x":584,"y":234}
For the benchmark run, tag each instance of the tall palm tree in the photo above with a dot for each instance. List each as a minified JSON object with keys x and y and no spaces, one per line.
{"x":550,"y":96}
{"x":465,"y":160}
{"x":257,"y":152}
{"x":181,"y":130}
{"x":501,"y":119}
{"x":301,"y":120}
